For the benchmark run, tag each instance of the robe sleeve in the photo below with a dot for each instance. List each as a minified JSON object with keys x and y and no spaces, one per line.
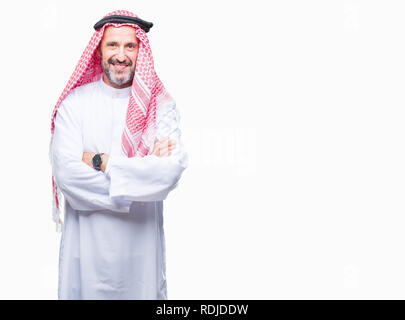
{"x":150,"y":178}
{"x":83,"y":187}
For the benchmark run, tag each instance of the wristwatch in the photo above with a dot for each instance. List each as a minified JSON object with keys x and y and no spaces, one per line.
{"x":97,"y":161}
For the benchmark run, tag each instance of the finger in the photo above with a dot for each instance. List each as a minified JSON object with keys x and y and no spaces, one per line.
{"x":165,"y":153}
{"x":163,"y":145}
{"x":155,"y":148}
{"x":159,"y":143}
{"x":157,"y":151}
{"x":167,"y":144}
{"x":165,"y":148}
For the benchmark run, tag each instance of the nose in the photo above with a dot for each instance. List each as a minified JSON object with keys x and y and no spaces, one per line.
{"x":121,"y":54}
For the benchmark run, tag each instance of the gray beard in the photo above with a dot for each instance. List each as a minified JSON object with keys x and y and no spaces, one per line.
{"x":112,"y":77}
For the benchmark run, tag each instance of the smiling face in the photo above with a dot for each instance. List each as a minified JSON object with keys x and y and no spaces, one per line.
{"x":118,"y":52}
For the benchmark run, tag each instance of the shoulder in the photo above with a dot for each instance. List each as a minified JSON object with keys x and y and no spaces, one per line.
{"x":167,"y":119}
{"x":82,"y":92}
{"x":166,"y":109}
{"x":78,"y":98}
{"x":71,"y":108}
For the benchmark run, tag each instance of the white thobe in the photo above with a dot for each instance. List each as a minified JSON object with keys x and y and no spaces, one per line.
{"x":113,"y":243}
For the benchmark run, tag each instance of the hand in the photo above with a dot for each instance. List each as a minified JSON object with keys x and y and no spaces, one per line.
{"x":163,"y":148}
{"x":104,"y":161}
{"x":88,"y":159}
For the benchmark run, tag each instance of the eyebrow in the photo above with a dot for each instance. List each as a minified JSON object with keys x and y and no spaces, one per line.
{"x":116,"y":42}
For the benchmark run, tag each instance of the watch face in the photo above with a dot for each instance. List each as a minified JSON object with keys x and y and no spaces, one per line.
{"x":96,"y":161}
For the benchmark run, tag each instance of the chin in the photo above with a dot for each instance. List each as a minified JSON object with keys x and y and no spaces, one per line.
{"x":121,"y":82}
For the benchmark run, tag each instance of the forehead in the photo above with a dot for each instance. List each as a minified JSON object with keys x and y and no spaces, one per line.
{"x":124,"y":33}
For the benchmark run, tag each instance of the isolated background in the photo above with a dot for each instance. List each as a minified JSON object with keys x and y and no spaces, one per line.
{"x":293,"y":116}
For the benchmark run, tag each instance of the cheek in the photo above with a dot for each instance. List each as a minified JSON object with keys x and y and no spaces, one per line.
{"x":105,"y":58}
{"x":134,"y":59}
{"x":134,"y":56}
{"x":107,"y":54}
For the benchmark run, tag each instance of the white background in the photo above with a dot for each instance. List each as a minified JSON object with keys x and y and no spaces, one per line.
{"x":293,"y":116}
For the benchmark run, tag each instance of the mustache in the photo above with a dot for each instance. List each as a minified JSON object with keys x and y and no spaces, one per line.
{"x":116,"y":61}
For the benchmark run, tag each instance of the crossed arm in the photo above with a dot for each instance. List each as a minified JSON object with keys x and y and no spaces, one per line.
{"x":122,"y":180}
{"x":162,"y":148}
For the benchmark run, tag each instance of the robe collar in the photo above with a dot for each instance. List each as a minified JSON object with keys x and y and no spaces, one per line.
{"x":113,"y":92}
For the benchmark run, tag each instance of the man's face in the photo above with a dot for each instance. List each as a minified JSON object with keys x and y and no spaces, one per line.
{"x":118,"y":52}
